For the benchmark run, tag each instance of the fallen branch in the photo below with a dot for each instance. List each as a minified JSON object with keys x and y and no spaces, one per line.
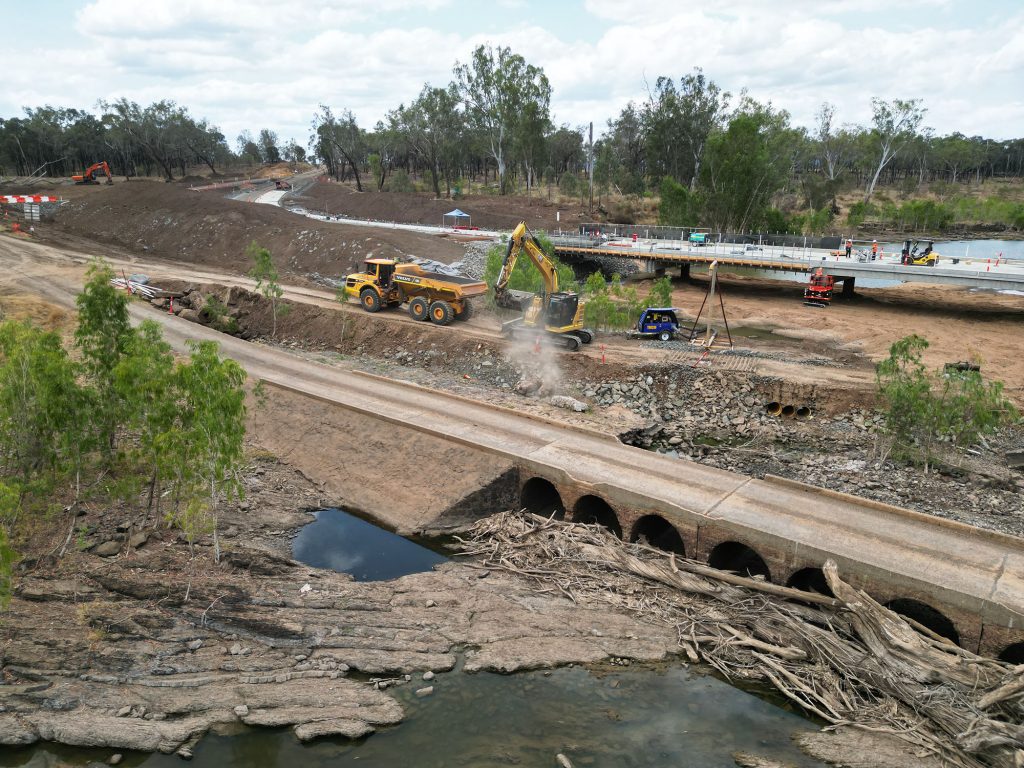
{"x":847,"y":659}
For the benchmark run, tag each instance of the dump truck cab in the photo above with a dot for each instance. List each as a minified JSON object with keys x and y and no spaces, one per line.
{"x":658,"y":321}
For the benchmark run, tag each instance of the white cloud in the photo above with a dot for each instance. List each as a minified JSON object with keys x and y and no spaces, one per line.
{"x":268,"y":63}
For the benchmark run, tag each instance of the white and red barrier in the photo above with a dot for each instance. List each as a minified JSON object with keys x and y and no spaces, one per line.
{"x":29,"y":199}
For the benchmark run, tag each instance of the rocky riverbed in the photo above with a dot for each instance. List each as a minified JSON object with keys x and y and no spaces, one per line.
{"x":103,"y":650}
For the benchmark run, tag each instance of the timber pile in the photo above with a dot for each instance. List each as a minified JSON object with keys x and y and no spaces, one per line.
{"x":846,"y":660}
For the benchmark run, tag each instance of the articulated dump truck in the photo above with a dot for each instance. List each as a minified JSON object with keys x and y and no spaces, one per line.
{"x":429,"y":295}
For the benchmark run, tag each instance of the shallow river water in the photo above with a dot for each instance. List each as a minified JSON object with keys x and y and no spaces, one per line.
{"x":625,"y":718}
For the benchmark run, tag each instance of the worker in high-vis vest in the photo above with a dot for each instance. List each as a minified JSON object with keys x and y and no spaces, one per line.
{"x":849,"y":247}
{"x":874,"y":250}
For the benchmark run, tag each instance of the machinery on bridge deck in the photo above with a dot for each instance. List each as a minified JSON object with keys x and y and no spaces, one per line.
{"x":919,"y":253}
{"x":558,"y":314}
{"x":818,"y":292}
{"x":430,"y":295}
{"x":89,"y":176}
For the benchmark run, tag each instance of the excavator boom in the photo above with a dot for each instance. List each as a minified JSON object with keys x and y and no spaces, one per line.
{"x":559,"y":314}
{"x":89,"y":177}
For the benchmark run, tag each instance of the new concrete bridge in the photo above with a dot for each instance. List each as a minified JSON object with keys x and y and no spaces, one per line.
{"x":658,"y":255}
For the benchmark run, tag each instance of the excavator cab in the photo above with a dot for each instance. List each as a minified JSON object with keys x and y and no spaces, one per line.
{"x":562,"y":309}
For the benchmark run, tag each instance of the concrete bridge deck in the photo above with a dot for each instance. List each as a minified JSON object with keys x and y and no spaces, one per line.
{"x":974,"y":577}
{"x":794,"y":259}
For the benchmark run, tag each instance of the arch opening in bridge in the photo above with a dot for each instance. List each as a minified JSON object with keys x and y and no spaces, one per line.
{"x":733,"y":556}
{"x":659,"y":533}
{"x":925,"y":615}
{"x":810,"y":580}
{"x":542,"y":498}
{"x":1013,"y":654}
{"x":594,"y":509}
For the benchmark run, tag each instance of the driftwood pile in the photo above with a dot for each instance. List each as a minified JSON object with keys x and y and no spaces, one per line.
{"x":847,"y":660}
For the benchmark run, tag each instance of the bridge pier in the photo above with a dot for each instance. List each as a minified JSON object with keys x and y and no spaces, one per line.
{"x":684,"y":272}
{"x":848,"y":284}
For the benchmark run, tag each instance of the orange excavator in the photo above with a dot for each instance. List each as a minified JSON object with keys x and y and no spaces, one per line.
{"x":89,"y":177}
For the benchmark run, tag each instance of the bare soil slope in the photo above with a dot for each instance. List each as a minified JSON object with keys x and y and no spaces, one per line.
{"x":488,"y":211}
{"x":206,"y":228}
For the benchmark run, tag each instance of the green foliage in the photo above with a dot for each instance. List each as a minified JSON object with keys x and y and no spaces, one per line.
{"x":400,"y":182}
{"x":812,"y":222}
{"x":955,"y":407}
{"x":267,"y":281}
{"x":679,"y":207}
{"x":595,"y":285}
{"x":569,"y":185}
{"x":102,"y":335}
{"x":745,"y":165}
{"x":8,"y":557}
{"x":219,"y":318}
{"x":860,"y":211}
{"x":660,"y":294}
{"x":525,"y":276}
{"x":41,"y":404}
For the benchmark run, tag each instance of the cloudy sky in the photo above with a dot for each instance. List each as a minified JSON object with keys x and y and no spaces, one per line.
{"x":269,"y":63}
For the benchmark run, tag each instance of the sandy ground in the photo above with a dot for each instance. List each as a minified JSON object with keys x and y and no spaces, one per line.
{"x":959,"y":324}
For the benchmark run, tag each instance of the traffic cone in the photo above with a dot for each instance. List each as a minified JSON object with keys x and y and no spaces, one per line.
{"x":602,"y":354}
{"x":170,"y":307}
{"x":536,"y":344}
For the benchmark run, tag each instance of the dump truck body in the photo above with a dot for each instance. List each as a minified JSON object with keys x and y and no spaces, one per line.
{"x":429,"y":295}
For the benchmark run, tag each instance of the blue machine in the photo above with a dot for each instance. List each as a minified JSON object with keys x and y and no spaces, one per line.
{"x":658,"y":321}
{"x":698,"y":238}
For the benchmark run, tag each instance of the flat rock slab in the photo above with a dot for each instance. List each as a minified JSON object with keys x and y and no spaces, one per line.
{"x":136,"y":668}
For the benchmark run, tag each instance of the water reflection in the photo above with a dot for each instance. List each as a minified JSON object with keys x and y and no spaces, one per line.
{"x":342,"y":542}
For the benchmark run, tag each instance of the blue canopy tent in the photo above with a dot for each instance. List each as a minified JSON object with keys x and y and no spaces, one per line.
{"x":456,"y":218}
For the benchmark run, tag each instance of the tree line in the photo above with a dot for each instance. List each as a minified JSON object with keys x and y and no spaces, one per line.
{"x":720,"y":161}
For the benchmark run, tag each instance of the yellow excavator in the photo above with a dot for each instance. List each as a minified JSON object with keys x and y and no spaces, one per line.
{"x":556,"y":314}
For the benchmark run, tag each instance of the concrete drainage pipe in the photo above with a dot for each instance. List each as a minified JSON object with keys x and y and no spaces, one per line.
{"x":803,"y":412}
{"x":773,"y":408}
{"x":788,"y":410}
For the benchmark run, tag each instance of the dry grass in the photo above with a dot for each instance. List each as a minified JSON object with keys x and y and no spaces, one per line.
{"x":41,"y":313}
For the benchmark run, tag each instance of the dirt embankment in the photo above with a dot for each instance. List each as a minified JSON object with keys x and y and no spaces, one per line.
{"x":488,"y":211}
{"x":166,"y":220}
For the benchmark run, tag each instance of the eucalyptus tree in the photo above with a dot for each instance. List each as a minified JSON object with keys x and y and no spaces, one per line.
{"x":507,"y":101}
{"x":339,"y":142}
{"x":895,"y":124}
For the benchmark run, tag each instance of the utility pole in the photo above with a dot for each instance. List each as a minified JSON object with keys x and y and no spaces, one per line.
{"x":590,"y":166}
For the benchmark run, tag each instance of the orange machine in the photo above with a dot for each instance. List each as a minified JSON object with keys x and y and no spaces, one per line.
{"x":89,"y":177}
{"x":818,"y":292}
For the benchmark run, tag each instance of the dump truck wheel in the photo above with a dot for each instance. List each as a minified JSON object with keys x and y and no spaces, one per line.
{"x":466,"y":313}
{"x":418,"y":308}
{"x":441,"y":313}
{"x":665,"y":336}
{"x":370,"y":300}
